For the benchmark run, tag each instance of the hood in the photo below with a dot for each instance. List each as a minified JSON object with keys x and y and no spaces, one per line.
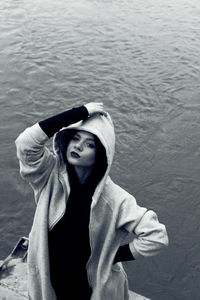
{"x":99,"y":125}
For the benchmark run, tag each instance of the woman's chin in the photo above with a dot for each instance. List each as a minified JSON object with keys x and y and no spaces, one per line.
{"x":72,"y":161}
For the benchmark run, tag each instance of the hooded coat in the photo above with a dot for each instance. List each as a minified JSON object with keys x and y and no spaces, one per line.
{"x":114,"y":214}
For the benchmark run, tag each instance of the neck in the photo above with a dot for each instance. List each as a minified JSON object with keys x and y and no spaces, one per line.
{"x":83,"y":173}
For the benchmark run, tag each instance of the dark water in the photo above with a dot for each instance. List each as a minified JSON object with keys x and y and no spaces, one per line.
{"x":141,"y":58}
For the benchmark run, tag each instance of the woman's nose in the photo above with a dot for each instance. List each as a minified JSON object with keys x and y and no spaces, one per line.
{"x":79,"y":146}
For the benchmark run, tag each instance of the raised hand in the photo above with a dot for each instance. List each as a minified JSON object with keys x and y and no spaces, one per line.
{"x":95,"y":107}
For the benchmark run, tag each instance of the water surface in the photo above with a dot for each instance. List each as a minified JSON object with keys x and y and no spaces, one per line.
{"x":141,"y":58}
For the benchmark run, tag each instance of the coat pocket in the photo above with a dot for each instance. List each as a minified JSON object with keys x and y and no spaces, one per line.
{"x":116,"y":286}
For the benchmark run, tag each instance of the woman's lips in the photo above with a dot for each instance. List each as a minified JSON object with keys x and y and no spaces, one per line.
{"x":75,"y":155}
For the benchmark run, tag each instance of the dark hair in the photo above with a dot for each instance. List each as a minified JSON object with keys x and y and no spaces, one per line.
{"x":100,"y":163}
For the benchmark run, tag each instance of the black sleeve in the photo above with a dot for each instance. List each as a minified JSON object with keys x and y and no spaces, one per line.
{"x":123,"y":254}
{"x":53,"y":124}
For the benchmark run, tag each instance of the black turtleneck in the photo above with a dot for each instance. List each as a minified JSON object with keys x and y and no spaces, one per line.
{"x":69,"y":246}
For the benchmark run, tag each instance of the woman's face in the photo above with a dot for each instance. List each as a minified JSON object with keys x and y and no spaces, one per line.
{"x":81,"y":150}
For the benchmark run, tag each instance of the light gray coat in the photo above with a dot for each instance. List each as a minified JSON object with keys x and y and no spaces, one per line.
{"x":114,"y":214}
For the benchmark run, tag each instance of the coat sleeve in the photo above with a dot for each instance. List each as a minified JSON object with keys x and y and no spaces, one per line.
{"x":150,"y":236}
{"x":35,"y":160}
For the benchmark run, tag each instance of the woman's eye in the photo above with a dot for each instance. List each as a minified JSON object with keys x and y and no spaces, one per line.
{"x":90,"y":145}
{"x":75,"y":138}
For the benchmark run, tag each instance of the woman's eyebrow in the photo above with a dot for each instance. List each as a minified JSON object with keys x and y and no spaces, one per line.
{"x":78,"y":135}
{"x":88,"y":138}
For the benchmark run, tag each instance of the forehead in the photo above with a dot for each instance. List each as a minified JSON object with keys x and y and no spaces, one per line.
{"x":85,"y":134}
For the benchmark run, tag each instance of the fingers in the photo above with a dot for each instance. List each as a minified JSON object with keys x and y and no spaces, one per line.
{"x":98,"y":106}
{"x":95,"y":107}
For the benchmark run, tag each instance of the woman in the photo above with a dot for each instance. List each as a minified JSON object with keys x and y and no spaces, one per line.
{"x":82,"y":217}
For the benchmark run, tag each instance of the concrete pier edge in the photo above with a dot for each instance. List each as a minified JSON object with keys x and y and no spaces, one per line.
{"x":13,"y":281}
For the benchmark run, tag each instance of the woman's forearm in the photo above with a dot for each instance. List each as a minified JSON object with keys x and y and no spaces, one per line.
{"x":53,"y":124}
